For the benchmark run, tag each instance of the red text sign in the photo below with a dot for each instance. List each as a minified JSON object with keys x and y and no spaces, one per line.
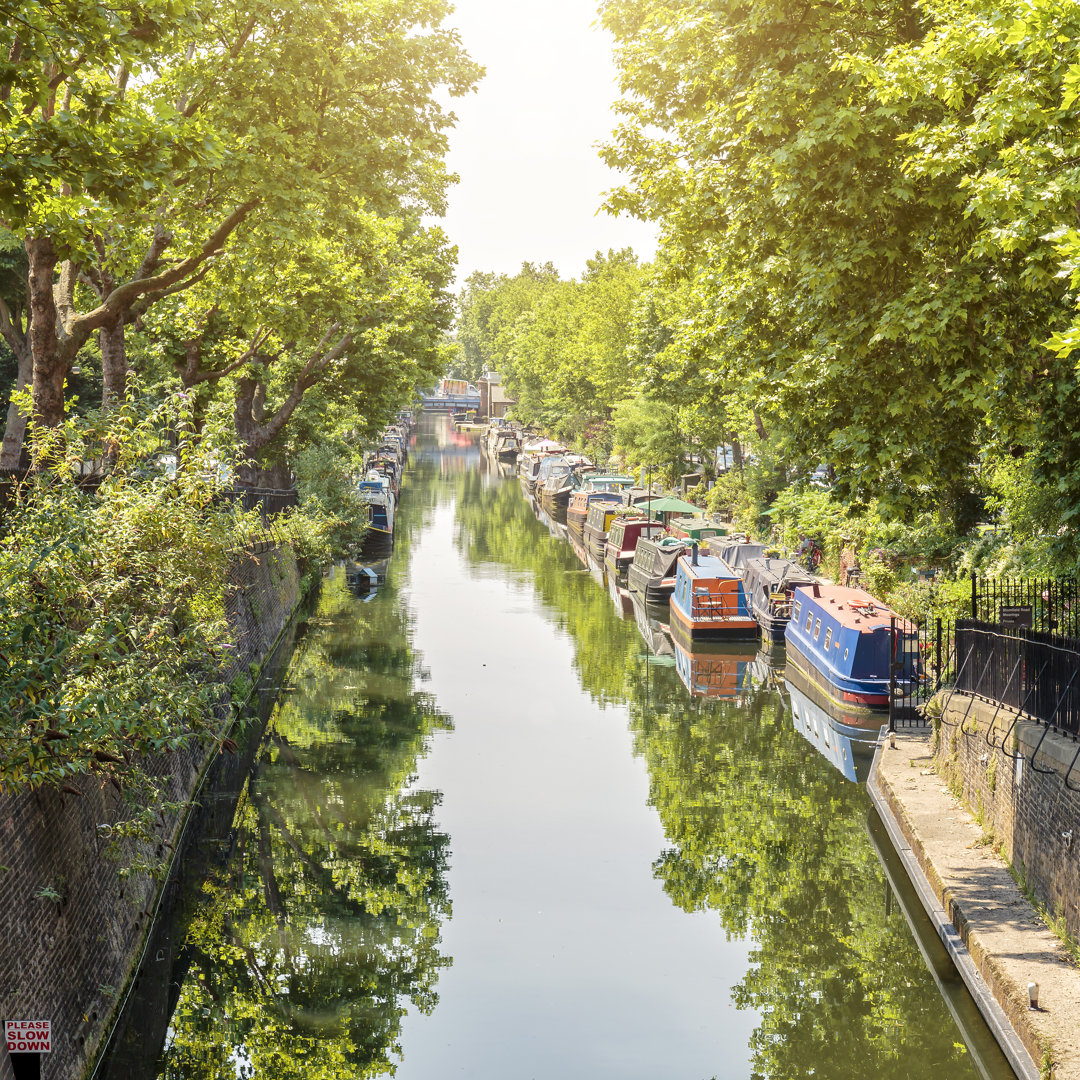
{"x":28,"y":1036}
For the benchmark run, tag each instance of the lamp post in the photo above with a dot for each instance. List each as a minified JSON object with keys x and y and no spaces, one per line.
{"x":648,"y":473}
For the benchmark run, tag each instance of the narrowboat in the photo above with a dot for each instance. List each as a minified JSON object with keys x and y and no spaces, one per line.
{"x":376,"y":491}
{"x":735,"y":553}
{"x":696,"y":529}
{"x":580,"y":501}
{"x":622,"y":541}
{"x":507,"y":446}
{"x":547,"y":463}
{"x":714,"y":669}
{"x":849,"y":746}
{"x":708,"y":600}
{"x":597,"y":522}
{"x":770,"y":586}
{"x":652,"y":573}
{"x":839,"y":639}
{"x":563,"y":481}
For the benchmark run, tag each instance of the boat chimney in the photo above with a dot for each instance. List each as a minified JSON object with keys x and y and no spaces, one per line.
{"x":817,"y":589}
{"x":693,"y":555}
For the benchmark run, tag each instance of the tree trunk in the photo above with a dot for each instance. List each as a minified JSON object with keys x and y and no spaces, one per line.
{"x":114,"y":366}
{"x":15,"y":432}
{"x":761,"y":432}
{"x":50,"y":368}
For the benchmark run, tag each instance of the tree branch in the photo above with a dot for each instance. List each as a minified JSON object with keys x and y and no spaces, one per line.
{"x":180,"y":276}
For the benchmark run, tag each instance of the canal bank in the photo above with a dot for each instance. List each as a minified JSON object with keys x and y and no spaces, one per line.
{"x":74,"y":918}
{"x":996,"y":938}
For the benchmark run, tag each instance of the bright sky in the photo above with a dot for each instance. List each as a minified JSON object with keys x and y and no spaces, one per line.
{"x":525,"y":143}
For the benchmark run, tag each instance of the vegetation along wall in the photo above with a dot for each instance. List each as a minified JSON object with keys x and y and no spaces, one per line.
{"x":78,"y":890}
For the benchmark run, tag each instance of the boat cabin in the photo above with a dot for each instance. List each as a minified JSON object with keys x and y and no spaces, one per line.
{"x":708,"y":599}
{"x":622,"y":541}
{"x":652,"y":572}
{"x":770,"y":586}
{"x":694,"y":528}
{"x":840,"y":638}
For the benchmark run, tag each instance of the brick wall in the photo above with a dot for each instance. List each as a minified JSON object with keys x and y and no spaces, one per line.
{"x":69,"y":960}
{"x":1032,"y":814}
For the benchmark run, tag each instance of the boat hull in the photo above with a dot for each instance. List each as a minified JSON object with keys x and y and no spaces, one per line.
{"x":860,"y":705}
{"x":735,"y":628}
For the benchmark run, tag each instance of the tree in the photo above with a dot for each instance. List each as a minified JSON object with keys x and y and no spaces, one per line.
{"x":258,"y":122}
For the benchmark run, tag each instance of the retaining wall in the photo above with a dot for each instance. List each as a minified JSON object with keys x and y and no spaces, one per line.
{"x":70,"y":928}
{"x":1018,"y":792}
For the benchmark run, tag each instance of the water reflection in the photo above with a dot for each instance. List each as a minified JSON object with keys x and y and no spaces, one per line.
{"x":760,"y":830}
{"x":319,"y":922}
{"x":847,"y":742}
{"x":719,"y":879}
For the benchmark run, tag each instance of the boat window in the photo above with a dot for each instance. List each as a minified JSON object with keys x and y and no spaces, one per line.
{"x":817,"y":629}
{"x":798,"y":610}
{"x":828,"y":637}
{"x":809,"y":621}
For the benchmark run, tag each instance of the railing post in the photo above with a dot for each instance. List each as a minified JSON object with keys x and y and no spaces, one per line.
{"x":892,"y":673}
{"x":974,"y":596}
{"x":937,"y":650}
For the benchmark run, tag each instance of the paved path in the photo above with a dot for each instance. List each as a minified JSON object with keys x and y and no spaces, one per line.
{"x":1008,"y":942}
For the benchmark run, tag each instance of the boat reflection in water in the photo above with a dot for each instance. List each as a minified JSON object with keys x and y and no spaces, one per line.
{"x":653,"y":631}
{"x":714,"y":669}
{"x":846,"y":740}
{"x":620,"y":595}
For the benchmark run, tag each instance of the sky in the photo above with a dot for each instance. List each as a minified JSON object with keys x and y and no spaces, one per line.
{"x":525,"y":143}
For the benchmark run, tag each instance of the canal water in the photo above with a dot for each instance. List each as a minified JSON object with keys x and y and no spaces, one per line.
{"x":489,"y":832}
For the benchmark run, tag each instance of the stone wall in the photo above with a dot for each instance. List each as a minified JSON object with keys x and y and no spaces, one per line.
{"x":1019,"y":795}
{"x":70,"y":928}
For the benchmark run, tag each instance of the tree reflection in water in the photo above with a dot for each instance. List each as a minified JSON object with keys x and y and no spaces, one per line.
{"x":323,"y":921}
{"x":759,"y":829}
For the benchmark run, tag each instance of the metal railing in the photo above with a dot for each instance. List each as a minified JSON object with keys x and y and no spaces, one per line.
{"x":268,"y":501}
{"x":1034,"y":673}
{"x":1047,"y":604}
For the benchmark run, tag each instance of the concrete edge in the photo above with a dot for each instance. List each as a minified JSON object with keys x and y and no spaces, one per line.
{"x":914,"y":860}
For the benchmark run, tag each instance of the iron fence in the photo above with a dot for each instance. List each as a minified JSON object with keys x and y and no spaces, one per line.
{"x":1051,"y":605}
{"x":1033,"y":672}
{"x":268,"y":501}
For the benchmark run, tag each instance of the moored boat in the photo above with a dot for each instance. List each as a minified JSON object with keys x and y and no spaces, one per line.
{"x":736,"y":553}
{"x":840,"y":639}
{"x":376,"y":491}
{"x":697,"y":529}
{"x":597,"y":522}
{"x":652,"y":573}
{"x":622,"y":540}
{"x":770,"y":586}
{"x":708,"y":600}
{"x":580,"y":501}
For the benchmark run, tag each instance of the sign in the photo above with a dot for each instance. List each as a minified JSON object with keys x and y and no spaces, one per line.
{"x":1016,"y":616}
{"x":28,"y":1036}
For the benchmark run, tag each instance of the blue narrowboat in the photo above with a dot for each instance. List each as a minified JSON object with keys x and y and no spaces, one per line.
{"x":708,"y":600}
{"x":840,"y":639}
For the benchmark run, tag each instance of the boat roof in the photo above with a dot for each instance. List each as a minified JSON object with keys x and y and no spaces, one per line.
{"x":854,"y":608}
{"x":708,"y":566}
{"x":785,"y":572}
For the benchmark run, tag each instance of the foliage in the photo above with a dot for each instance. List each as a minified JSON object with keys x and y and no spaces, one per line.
{"x":562,"y":346}
{"x":332,"y":518}
{"x":307,"y":945}
{"x":114,"y":616}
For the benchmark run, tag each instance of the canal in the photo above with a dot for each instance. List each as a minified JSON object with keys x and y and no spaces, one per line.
{"x":487,"y":831}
